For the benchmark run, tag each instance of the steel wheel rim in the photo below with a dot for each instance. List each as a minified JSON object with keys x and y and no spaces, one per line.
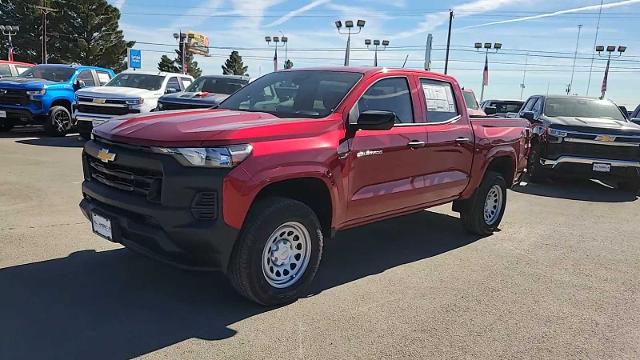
{"x":493,"y":205}
{"x":61,"y":118}
{"x":286,"y":255}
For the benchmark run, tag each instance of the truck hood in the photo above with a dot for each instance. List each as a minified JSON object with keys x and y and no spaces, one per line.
{"x":205,"y":127}
{"x":198,"y":98}
{"x":118,"y":92}
{"x":28,"y":83}
{"x":594,"y":125}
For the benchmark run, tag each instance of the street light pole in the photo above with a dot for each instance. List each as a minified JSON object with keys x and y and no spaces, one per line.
{"x":446,"y":59}
{"x":610,"y":50}
{"x":44,"y":10}
{"x":376,"y":43}
{"x":9,"y":31}
{"x":348,"y":24}
{"x":181,"y":37}
{"x":485,"y":71}
{"x":277,"y":42}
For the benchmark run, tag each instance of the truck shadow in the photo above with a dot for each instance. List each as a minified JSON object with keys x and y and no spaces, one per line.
{"x":581,"y":190}
{"x":117,"y":304}
{"x":35,"y":135}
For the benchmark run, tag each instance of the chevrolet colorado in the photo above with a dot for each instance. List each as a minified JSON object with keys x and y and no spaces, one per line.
{"x":254,"y":187}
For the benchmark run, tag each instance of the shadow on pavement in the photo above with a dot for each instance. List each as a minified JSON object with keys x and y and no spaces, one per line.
{"x":581,"y":190}
{"x":116,"y":304}
{"x":72,"y":140}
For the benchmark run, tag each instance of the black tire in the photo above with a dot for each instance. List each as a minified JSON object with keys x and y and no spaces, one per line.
{"x":5,"y":126}
{"x":85,"y":136}
{"x":245,"y":270}
{"x":632,"y":186}
{"x":536,"y":173}
{"x":59,"y":121}
{"x":472,"y":212}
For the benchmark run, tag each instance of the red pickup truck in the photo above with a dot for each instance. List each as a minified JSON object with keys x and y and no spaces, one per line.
{"x":253,"y":187}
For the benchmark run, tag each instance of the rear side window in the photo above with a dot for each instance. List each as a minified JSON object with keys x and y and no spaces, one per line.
{"x":390,"y":94}
{"x":21,"y":69}
{"x":185,"y":82}
{"x":103,"y":77}
{"x":87,"y":77}
{"x":441,"y":104}
{"x":5,"y":70}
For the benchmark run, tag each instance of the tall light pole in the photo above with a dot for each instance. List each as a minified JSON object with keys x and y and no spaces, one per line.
{"x":446,"y":58}
{"x":348,"y":24}
{"x":524,"y":75}
{"x":9,"y":31}
{"x":277,"y":42}
{"x":610,"y":50}
{"x":375,"y":45}
{"x":181,"y":37}
{"x":485,"y":72}
{"x":575,"y":56}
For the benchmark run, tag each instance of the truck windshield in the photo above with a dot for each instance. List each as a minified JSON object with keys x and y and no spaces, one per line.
{"x":582,"y":107}
{"x":470,"y":99}
{"x":48,"y":72}
{"x":216,"y":85}
{"x":307,"y":93}
{"x":140,"y":81}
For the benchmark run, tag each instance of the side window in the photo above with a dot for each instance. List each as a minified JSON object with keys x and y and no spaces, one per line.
{"x":103,"y":77}
{"x":529,"y":104}
{"x":441,"y":104}
{"x":390,"y":94}
{"x":173,"y":84}
{"x":87,"y":77}
{"x":185,"y":81}
{"x":5,"y":70}
{"x":537,"y":108}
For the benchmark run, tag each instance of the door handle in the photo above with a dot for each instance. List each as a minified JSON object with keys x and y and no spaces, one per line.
{"x":462,"y":140}
{"x":415,"y":144}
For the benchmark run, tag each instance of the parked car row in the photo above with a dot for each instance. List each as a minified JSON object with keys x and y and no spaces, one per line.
{"x":74,"y":97}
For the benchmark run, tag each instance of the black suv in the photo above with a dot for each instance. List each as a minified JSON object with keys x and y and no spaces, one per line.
{"x":582,"y":137}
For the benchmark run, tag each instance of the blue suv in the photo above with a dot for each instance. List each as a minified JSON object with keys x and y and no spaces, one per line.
{"x":44,"y":93}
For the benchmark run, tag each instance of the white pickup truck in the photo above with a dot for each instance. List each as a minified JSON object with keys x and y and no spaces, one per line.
{"x":130,"y":92}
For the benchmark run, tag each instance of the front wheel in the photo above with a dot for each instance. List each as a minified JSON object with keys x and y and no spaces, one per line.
{"x":482,"y":213}
{"x":278,"y":252}
{"x":59,"y":121}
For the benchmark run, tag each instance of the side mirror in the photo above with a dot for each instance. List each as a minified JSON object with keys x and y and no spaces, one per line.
{"x":490,"y":110}
{"x":79,"y":84}
{"x":636,"y":121}
{"x":529,"y":115}
{"x":376,"y":120}
{"x":171,"y":91}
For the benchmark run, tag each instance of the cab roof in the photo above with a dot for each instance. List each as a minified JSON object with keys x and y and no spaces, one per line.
{"x":370,"y":70}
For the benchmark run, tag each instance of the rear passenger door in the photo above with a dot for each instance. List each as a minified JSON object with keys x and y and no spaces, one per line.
{"x":388,"y":166}
{"x":451,"y":140}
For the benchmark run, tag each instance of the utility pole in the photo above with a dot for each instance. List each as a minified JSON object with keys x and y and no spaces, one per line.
{"x":575,"y":56}
{"x":595,"y":42}
{"x":446,"y":59}
{"x":524,"y":75}
{"x":182,"y":37}
{"x":427,"y":52}
{"x":44,"y":10}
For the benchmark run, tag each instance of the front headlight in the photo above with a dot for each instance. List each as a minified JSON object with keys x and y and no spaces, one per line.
{"x":218,"y":157}
{"x":134,"y":102}
{"x":36,"y":92}
{"x":556,"y":132}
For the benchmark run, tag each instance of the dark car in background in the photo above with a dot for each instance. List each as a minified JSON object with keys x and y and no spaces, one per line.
{"x":205,"y":92}
{"x":582,"y":137}
{"x":502,"y":107}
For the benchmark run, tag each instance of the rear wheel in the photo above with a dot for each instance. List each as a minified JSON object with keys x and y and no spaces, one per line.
{"x":482,"y":213}
{"x":278,"y":252}
{"x":59,"y":121}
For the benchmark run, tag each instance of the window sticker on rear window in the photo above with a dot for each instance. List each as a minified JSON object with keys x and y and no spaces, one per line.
{"x":439,"y":97}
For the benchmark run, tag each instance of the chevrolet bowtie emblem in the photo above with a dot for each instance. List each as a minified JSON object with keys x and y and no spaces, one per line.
{"x":105,"y":156}
{"x":99,"y":101}
{"x":605,"y":138}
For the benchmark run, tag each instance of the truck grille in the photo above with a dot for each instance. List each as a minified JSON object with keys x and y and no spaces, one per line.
{"x":13,"y":97}
{"x":142,"y":182}
{"x":104,"y":110}
{"x":629,"y":153}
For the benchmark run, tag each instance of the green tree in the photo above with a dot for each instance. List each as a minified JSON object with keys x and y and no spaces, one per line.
{"x":234,"y":65}
{"x":167,"y":65}
{"x":175,"y":65}
{"x":288,"y":64}
{"x":84,"y":31}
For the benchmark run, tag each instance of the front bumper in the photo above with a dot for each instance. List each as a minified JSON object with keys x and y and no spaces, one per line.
{"x":167,"y":227}
{"x":584,"y":167}
{"x":26,"y":115}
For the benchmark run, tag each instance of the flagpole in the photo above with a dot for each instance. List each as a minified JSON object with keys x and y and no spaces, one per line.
{"x":485,"y":74}
{"x":603,"y":89}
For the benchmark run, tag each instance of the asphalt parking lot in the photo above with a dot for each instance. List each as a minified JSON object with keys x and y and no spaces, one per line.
{"x":560,"y":280}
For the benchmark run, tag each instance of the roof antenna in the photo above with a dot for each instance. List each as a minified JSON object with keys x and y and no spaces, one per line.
{"x":405,"y":60}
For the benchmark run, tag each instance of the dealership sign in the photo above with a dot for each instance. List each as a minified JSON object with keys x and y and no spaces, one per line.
{"x":135,"y":58}
{"x":197,"y":43}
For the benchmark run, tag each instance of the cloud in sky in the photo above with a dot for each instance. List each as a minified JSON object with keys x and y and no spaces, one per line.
{"x":119,"y":4}
{"x":297,"y":12}
{"x":432,"y":21}
{"x":556,"y":13}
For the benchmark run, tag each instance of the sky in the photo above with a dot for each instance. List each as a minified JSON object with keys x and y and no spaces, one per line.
{"x":539,"y":33}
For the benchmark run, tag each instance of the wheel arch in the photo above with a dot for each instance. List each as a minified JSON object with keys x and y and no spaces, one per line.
{"x":61,"y":102}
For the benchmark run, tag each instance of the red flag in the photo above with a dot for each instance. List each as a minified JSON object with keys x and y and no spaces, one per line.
{"x":485,"y":73}
{"x":275,"y":60}
{"x":603,"y":89}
